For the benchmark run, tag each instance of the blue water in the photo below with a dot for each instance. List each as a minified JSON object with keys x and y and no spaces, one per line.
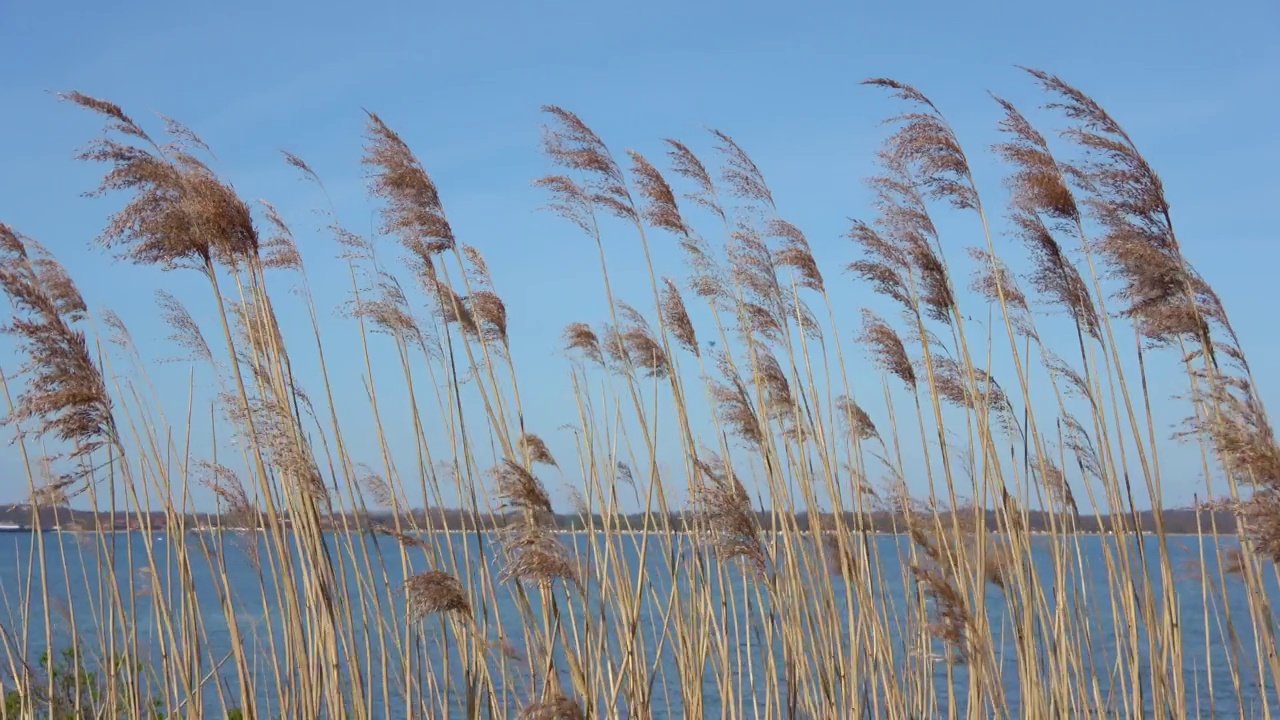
{"x":75,"y":585}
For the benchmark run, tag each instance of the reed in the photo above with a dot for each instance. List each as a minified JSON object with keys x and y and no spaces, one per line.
{"x":764,"y":528}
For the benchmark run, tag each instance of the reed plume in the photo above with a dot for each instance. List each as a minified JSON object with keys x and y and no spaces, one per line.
{"x":886,"y":266}
{"x":636,"y":345}
{"x":185,"y":331}
{"x":887,"y":348}
{"x":490,"y":315}
{"x":279,"y":250}
{"x":740,"y":173}
{"x":1159,"y":290}
{"x":537,"y":450}
{"x":796,"y":254}
{"x":1077,"y":440}
{"x":925,"y":141}
{"x":387,"y":310}
{"x":65,"y":396}
{"x":534,"y":555}
{"x":907,"y":241}
{"x":952,"y":618}
{"x":677,"y":317}
{"x":520,"y":488}
{"x":180,"y":213}
{"x":579,"y":336}
{"x":557,"y":708}
{"x":413,"y":210}
{"x":435,"y":591}
{"x":687,"y":165}
{"x":660,"y":208}
{"x":404,"y":539}
{"x":725,"y":515}
{"x":735,"y":406}
{"x":856,"y":419}
{"x":571,"y":144}
{"x":238,"y":510}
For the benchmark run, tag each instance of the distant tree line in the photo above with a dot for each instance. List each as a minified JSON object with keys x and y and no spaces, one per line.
{"x":1178,"y":520}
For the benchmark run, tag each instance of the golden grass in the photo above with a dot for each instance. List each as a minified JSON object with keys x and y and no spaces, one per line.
{"x":780,"y":600}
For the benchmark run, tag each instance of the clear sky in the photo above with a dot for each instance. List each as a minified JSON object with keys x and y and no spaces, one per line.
{"x":1197,"y":85}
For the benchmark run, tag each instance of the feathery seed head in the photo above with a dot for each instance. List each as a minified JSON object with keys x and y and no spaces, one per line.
{"x":795,"y":254}
{"x":687,"y":165}
{"x":534,"y":555}
{"x":677,"y":317}
{"x":520,"y":488}
{"x":1037,"y":183}
{"x":435,"y":591}
{"x":927,"y":143}
{"x":1054,"y":275}
{"x":740,"y":172}
{"x":412,"y":209}
{"x":556,"y":708}
{"x":857,"y":419}
{"x":661,"y":209}
{"x":537,"y":450}
{"x":65,"y":395}
{"x":571,"y":144}
{"x":887,"y":348}
{"x":279,"y":250}
{"x":580,"y":336}
{"x":726,"y":516}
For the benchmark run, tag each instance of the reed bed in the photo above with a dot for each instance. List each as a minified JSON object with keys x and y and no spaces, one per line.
{"x":718,"y":408}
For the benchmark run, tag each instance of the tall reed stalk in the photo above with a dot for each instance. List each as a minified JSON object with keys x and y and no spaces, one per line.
{"x":761,"y":528}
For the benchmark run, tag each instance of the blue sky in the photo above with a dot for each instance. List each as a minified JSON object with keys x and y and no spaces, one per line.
{"x":1195,"y":84}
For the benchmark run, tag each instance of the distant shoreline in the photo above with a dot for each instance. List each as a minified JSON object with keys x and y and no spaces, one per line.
{"x":556,"y":531}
